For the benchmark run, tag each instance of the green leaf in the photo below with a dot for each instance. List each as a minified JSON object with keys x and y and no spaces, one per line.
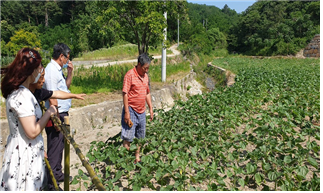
{"x":229,"y":173}
{"x":312,"y":161}
{"x":250,"y":168}
{"x":301,"y":172}
{"x":192,"y":188}
{"x":231,"y":157}
{"x":156,"y":155}
{"x":84,"y":177}
{"x":136,"y":186}
{"x":91,"y":158}
{"x":258,"y":178}
{"x":194,"y":150}
{"x":266,"y":166}
{"x":80,"y":172}
{"x":272,"y":176}
{"x":241,"y":182}
{"x":158,"y":174}
{"x":133,"y":147}
{"x":75,"y":181}
{"x":167,"y":188}
{"x":287,"y":159}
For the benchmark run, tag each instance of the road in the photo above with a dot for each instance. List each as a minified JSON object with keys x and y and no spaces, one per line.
{"x":100,"y":63}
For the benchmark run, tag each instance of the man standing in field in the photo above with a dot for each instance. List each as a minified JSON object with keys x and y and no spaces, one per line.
{"x":55,"y":80}
{"x":135,"y":95}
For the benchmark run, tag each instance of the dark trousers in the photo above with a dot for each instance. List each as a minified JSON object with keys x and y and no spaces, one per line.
{"x":55,"y":147}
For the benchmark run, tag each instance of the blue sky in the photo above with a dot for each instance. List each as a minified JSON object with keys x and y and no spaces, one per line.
{"x":237,"y":5}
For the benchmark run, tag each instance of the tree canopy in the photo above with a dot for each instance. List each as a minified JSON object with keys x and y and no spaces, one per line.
{"x":265,"y":28}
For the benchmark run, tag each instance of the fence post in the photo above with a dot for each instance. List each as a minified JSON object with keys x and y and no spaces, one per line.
{"x":67,"y":156}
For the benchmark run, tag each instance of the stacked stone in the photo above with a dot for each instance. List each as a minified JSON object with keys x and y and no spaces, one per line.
{"x":313,"y":48}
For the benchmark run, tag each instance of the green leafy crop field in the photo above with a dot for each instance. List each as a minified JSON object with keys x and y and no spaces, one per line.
{"x":263,"y":133}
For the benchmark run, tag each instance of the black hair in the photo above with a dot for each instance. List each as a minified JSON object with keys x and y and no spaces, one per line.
{"x":143,"y":59}
{"x":59,"y":49}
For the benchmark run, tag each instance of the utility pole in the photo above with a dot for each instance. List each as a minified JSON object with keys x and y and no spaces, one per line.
{"x":163,"y":70}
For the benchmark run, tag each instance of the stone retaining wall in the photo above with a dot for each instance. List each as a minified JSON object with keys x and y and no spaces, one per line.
{"x":229,"y":75}
{"x":313,"y":48}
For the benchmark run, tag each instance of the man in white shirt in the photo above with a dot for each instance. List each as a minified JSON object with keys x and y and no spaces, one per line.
{"x":55,"y":80}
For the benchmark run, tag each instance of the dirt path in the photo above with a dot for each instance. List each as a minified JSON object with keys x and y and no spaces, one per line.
{"x":98,"y":63}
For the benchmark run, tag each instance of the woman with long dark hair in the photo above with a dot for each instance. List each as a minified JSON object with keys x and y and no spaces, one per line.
{"x":23,"y":165}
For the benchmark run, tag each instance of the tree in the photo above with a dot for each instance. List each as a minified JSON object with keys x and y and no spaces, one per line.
{"x":216,"y":38}
{"x":143,"y":18}
{"x":23,"y":39}
{"x":275,"y":28}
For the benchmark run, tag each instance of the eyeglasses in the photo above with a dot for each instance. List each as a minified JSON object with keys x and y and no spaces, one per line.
{"x":42,"y":70}
{"x":66,"y":57}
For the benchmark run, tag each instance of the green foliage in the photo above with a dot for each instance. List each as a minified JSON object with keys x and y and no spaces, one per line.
{"x":99,"y":79}
{"x":216,"y":38}
{"x":143,"y":19}
{"x":243,"y":134}
{"x":204,"y":37}
{"x":59,"y":34}
{"x":197,"y":43}
{"x":265,"y":28}
{"x":171,"y":69}
{"x":22,"y":39}
{"x":213,"y":17}
{"x":110,"y":78}
{"x":7,"y":31}
{"x":275,"y":28}
{"x":4,"y":49}
{"x":5,"y":60}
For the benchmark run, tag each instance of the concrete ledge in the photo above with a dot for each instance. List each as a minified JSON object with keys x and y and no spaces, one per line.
{"x":229,"y":75}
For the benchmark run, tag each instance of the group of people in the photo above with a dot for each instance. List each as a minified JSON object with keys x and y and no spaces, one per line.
{"x":24,"y":84}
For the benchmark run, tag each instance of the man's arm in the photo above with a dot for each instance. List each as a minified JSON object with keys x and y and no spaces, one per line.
{"x":126,"y":108}
{"x":148,"y":99}
{"x":69,"y":74}
{"x":57,"y":94}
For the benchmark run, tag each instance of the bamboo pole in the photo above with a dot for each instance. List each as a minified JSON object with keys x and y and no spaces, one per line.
{"x":49,"y":168}
{"x":67,"y":157}
{"x":51,"y":174}
{"x":85,"y":163}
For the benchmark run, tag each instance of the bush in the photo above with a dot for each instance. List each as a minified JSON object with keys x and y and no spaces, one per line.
{"x":22,"y":39}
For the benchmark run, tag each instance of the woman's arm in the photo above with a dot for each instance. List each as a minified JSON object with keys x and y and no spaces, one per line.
{"x":57,"y":94}
{"x":33,"y":128}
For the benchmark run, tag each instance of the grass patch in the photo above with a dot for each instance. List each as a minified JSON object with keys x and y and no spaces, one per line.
{"x":110,"y":78}
{"x":99,"y":79}
{"x":171,"y":69}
